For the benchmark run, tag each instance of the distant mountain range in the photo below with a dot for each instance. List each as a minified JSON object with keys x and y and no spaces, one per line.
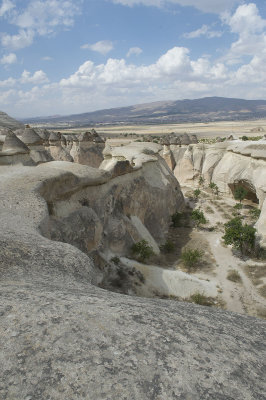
{"x":199,"y":110}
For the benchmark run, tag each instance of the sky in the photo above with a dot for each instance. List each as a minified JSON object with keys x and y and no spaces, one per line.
{"x":60,"y":57}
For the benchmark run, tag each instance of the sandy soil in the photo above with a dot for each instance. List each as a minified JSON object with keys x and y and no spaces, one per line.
{"x":245,"y":296}
{"x":203,"y":130}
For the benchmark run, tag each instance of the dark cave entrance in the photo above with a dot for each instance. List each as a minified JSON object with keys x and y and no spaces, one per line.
{"x":251,"y":192}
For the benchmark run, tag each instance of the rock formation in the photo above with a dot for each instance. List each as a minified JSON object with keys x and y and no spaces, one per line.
{"x":62,"y":337}
{"x":47,"y":146}
{"x":7,"y":122}
{"x":228,"y":164}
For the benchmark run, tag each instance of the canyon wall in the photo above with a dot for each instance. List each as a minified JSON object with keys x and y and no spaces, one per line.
{"x":228,"y":164}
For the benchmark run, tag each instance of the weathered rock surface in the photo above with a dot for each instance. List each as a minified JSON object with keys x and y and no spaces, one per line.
{"x":48,"y":146}
{"x":228,"y":164}
{"x":64,"y":338}
{"x":8,"y":122}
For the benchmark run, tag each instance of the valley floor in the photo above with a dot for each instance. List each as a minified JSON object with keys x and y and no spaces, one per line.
{"x":246,"y":295}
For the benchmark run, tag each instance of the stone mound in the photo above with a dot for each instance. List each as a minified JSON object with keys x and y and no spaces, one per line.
{"x":12,"y":142}
{"x":30,"y":137}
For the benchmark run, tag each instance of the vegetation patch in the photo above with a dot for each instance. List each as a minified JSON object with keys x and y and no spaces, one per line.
{"x":241,"y":237}
{"x":201,"y":299}
{"x":198,"y":217}
{"x":167,"y":247}
{"x":191,"y":257}
{"x":234,"y":276}
{"x":142,"y":251}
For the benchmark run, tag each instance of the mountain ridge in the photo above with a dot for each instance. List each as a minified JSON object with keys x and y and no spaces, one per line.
{"x":205,"y":109}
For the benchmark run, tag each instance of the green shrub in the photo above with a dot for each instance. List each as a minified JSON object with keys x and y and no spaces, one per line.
{"x":167,"y":247}
{"x":234,"y":276}
{"x":254,"y":213}
{"x":191,"y":257}
{"x":198,"y":217}
{"x":201,"y":299}
{"x":238,"y":206}
{"x":115,"y":260}
{"x":244,"y":138}
{"x":196,"y":193}
{"x":201,"y":180}
{"x":214,"y":188}
{"x":142,"y":250}
{"x":240,"y":236}
{"x":240,"y":193}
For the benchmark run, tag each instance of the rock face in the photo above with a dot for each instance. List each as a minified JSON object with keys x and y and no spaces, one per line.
{"x":62,"y":337}
{"x":7,"y":122}
{"x":101,"y":216}
{"x":47,"y":146}
{"x":228,"y":164}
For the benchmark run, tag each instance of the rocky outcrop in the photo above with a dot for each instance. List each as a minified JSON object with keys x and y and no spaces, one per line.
{"x":47,"y":146}
{"x":7,"y":122}
{"x":228,"y":164}
{"x":97,"y":216}
{"x":63,"y":337}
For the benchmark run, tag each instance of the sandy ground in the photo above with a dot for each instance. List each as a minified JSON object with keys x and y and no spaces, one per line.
{"x":203,"y":130}
{"x":243,"y":296}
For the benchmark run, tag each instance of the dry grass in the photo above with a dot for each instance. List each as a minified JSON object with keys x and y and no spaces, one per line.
{"x":234,"y":276}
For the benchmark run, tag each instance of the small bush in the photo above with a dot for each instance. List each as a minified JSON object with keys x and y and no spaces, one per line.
{"x":191,"y":257}
{"x":209,"y":210}
{"x":198,"y":217}
{"x":214,"y":188}
{"x":201,"y":299}
{"x":167,"y":247}
{"x":238,"y":206}
{"x":244,"y":138}
{"x":115,"y":260}
{"x":201,"y":180}
{"x":142,"y":250}
{"x":234,"y":276}
{"x":196,"y":193}
{"x":254,"y":213}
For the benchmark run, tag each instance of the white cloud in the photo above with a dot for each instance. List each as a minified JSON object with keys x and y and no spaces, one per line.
{"x":45,"y":16}
{"x":136,"y":51}
{"x":205,"y":30}
{"x":37,"y":18}
{"x":245,"y":20}
{"x":8,"y":82}
{"x":211,"y":6}
{"x":23,"y":39}
{"x":251,"y":30}
{"x":102,"y":47}
{"x":39,"y":77}
{"x":6,"y":6}
{"x":9,"y":59}
{"x":47,"y":58}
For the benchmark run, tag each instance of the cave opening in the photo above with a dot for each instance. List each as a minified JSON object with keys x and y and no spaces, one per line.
{"x":251,"y":192}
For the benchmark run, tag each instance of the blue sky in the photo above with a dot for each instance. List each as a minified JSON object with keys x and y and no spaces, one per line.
{"x":73,"y":56}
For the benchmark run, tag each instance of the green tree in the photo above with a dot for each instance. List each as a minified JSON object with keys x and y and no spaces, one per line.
{"x":240,"y":236}
{"x":198,"y":217}
{"x":240,"y":193}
